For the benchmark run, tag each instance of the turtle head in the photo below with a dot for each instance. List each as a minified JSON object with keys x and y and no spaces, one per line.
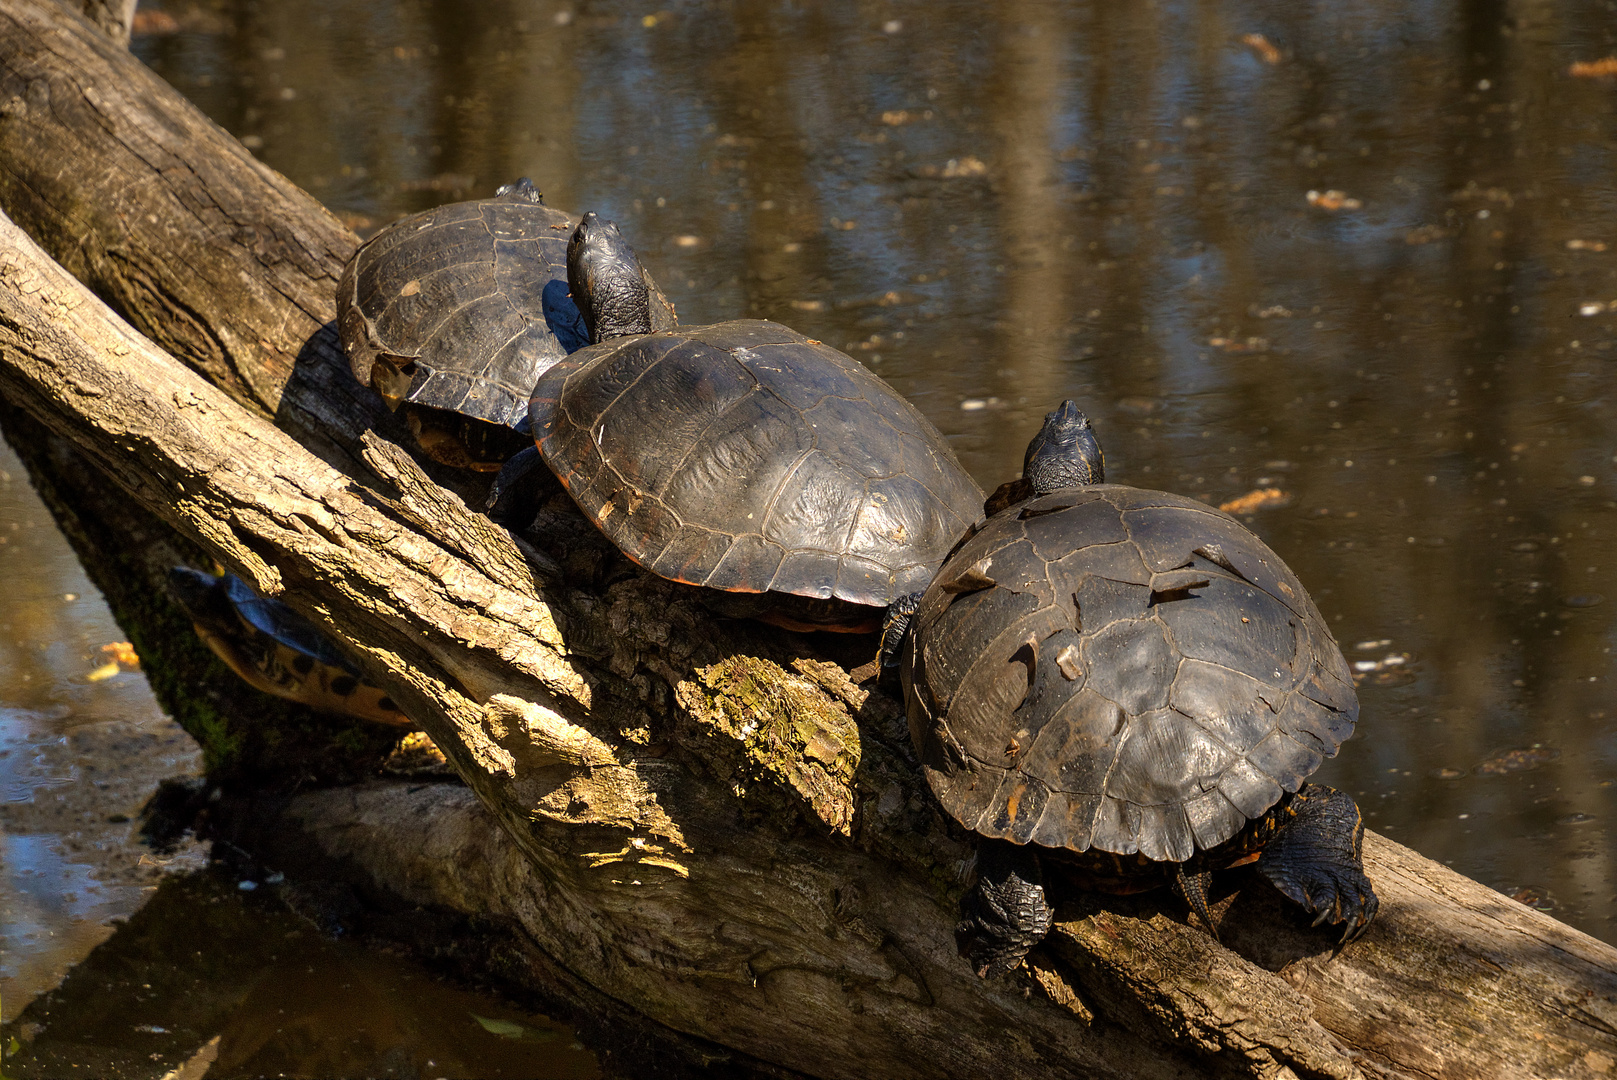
{"x":1064,"y":454}
{"x":201,"y":595}
{"x":606,"y":281}
{"x":521,"y":191}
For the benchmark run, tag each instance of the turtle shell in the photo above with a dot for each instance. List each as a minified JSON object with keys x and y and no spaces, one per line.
{"x":467,"y":303}
{"x":1120,"y":670}
{"x":747,"y":458}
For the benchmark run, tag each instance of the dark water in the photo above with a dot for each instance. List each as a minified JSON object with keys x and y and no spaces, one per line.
{"x":998,"y":205}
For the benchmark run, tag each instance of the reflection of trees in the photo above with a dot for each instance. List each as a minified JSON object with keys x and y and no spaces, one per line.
{"x":1034,"y":217}
{"x":276,"y":996}
{"x":389,"y":107}
{"x":755,"y":95}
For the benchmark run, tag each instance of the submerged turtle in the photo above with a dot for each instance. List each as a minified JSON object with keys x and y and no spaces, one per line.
{"x":744,"y":457}
{"x":454,"y":312}
{"x":1128,"y":686}
{"x":276,"y":650}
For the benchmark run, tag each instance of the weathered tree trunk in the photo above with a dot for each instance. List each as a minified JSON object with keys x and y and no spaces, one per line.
{"x":705,"y":821}
{"x":116,"y":18}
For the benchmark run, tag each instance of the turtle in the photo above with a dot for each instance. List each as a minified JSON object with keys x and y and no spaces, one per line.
{"x":1125,"y":688}
{"x":452,"y":314}
{"x":744,"y":457}
{"x":276,"y":650}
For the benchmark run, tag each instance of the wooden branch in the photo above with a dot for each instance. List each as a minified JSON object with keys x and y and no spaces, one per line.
{"x":215,"y":257}
{"x":115,"y":18}
{"x":702,"y":819}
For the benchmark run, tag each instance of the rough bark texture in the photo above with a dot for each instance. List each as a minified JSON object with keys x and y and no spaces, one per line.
{"x":704,"y":820}
{"x":115,"y":18}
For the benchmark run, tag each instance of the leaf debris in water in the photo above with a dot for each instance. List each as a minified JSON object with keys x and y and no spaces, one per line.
{"x":1519,"y":760}
{"x":1254,"y":500}
{"x":1262,"y":46}
{"x":1593,"y":69}
{"x":510,"y":1029}
{"x":123,"y":653}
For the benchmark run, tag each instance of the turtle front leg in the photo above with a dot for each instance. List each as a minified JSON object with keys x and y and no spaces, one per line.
{"x":1005,"y":913}
{"x":1316,"y":858}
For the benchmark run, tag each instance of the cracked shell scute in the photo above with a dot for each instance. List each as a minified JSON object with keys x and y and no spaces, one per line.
{"x":1069,"y":705}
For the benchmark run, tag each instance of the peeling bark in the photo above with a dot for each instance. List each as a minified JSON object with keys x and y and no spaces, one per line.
{"x":709,"y":821}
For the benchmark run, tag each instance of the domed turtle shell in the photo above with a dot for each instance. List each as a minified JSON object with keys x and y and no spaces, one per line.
{"x":745,"y":457}
{"x":1122,"y":670}
{"x":460,"y":309}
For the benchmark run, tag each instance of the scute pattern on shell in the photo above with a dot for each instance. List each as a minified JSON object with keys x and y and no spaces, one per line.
{"x":745,"y":457}
{"x":1120,"y":669}
{"x":476,"y":294}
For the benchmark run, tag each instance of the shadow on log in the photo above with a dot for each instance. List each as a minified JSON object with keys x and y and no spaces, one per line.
{"x":707,"y":821}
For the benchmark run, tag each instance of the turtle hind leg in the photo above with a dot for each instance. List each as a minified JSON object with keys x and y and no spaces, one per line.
{"x":1192,"y":889}
{"x":1005,"y":913}
{"x":895,"y":625}
{"x":1316,"y":859}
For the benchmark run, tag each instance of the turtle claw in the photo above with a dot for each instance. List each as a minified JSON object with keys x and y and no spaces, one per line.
{"x":1192,"y":889}
{"x":1005,"y":914}
{"x":895,"y":626}
{"x":1315,"y":860}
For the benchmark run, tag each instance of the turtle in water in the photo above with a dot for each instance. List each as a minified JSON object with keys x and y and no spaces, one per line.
{"x":1125,"y":688}
{"x":276,"y":650}
{"x":743,"y":457}
{"x":453,"y":313}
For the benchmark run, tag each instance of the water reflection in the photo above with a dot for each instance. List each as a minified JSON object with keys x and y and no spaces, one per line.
{"x":78,"y":757}
{"x":207,"y":979}
{"x":998,"y":205}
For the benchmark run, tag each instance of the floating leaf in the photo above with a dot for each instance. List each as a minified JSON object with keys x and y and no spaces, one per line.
{"x":1262,"y":46}
{"x":1333,"y":200}
{"x":1254,"y":500}
{"x":1519,"y":760}
{"x":1593,"y":69}
{"x":510,"y":1029}
{"x":123,"y":653}
{"x":505,"y":1029}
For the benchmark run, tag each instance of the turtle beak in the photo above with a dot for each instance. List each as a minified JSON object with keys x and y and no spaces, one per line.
{"x":392,"y":376}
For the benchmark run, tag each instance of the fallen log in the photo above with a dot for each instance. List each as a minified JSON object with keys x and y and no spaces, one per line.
{"x":708,"y":821}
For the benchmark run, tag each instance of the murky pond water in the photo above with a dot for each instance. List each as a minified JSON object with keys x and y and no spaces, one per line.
{"x":1364,"y":255}
{"x":82,"y":745}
